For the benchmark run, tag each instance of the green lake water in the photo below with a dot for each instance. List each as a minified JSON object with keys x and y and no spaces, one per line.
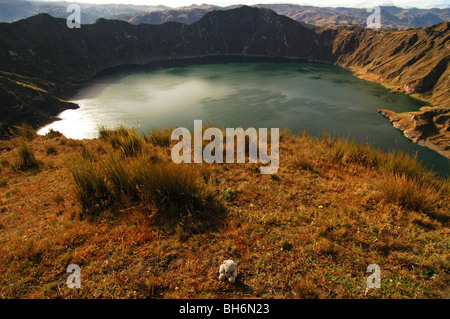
{"x":299,"y":96}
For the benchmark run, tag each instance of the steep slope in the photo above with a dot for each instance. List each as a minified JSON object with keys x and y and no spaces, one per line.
{"x":45,"y":46}
{"x":28,"y":100}
{"x":411,"y":61}
{"x":414,"y":61}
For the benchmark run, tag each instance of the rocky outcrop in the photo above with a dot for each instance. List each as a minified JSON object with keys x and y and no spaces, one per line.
{"x":428,"y":127}
{"x":28,"y":100}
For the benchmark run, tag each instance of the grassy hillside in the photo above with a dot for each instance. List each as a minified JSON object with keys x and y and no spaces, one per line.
{"x":142,"y":227}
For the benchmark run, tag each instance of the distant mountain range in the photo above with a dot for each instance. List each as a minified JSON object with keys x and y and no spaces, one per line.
{"x":391,"y":17}
{"x":12,"y":10}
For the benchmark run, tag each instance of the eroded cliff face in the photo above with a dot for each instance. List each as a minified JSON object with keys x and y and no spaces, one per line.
{"x":427,"y":127}
{"x":412,"y":61}
{"x":28,"y":100}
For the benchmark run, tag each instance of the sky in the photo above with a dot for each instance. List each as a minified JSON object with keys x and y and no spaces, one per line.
{"x":323,"y":3}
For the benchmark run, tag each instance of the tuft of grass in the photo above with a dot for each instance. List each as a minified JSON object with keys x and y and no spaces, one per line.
{"x":344,"y":151}
{"x":229,"y":194}
{"x":58,"y":198}
{"x":90,"y":185}
{"x":86,"y":153}
{"x":26,"y":160}
{"x":327,"y":139}
{"x":103,"y":132}
{"x":445,"y":187}
{"x":51,"y":150}
{"x":175,"y":193}
{"x":5,"y":163}
{"x":3,"y":182}
{"x":178,"y":194}
{"x":25,"y":131}
{"x":305,"y":289}
{"x":53,"y":134}
{"x":408,"y":192}
{"x":303,"y":161}
{"x":63,"y":141}
{"x":123,"y":138}
{"x":160,"y":137}
{"x":205,"y":172}
{"x":122,"y":180}
{"x":399,"y":163}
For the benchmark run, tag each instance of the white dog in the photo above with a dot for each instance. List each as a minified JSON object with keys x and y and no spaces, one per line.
{"x":228,"y":270}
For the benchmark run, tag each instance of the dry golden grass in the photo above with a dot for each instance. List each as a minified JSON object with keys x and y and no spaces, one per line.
{"x":310,"y":232}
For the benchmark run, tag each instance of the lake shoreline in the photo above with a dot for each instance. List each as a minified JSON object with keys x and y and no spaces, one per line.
{"x":111,"y":76}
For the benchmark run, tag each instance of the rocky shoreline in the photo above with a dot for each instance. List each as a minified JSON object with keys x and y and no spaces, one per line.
{"x":429,"y":127}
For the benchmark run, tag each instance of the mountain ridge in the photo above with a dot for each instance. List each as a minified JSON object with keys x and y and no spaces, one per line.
{"x":392,"y":17}
{"x":13,"y":10}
